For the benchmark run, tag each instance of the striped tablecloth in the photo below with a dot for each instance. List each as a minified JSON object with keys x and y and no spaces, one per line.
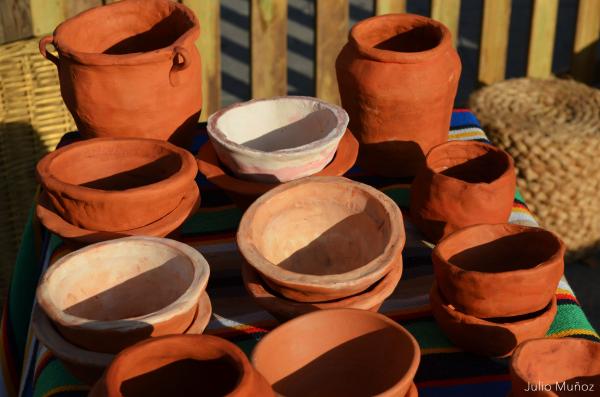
{"x":29,"y":369}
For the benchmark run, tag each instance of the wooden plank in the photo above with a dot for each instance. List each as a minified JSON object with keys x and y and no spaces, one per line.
{"x":331,"y":34}
{"x":541,"y":40}
{"x":46,"y":15}
{"x":268,"y":48}
{"x":209,"y":45}
{"x":74,"y":7}
{"x":15,"y":20}
{"x":389,"y":6}
{"x":587,"y":36}
{"x":448,"y":13}
{"x":494,"y":40}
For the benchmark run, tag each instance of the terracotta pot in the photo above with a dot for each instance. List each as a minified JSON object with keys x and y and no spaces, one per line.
{"x":243,"y":192}
{"x":322,"y":238}
{"x":99,"y":184}
{"x":412,"y":392}
{"x":339,"y":352}
{"x":284,"y":309}
{"x":541,"y":364}
{"x":111,"y":295}
{"x":398,"y":75}
{"x":464,"y":183}
{"x":131,"y":69}
{"x":496,"y":337}
{"x":79,"y":237}
{"x":193,"y":364}
{"x":499,"y":270}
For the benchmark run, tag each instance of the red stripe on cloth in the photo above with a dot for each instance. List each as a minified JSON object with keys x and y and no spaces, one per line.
{"x":464,"y":381}
{"x":461,"y":110}
{"x":567,"y":297}
{"x":41,"y":364}
{"x":11,"y":377}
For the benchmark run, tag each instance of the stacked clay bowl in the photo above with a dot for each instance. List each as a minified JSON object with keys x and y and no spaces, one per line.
{"x":94,"y":189}
{"x":321,"y":243}
{"x":107,"y":296}
{"x":495,"y":286}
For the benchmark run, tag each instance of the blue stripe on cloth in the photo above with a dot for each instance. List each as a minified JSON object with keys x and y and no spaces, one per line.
{"x":487,"y":389}
{"x":460,"y":119}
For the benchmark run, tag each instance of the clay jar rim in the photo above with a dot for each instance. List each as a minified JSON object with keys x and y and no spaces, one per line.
{"x":371,"y":271}
{"x":396,"y":23}
{"x":180,"y":347}
{"x":101,"y":13}
{"x":282,"y":154}
{"x":185,"y":302}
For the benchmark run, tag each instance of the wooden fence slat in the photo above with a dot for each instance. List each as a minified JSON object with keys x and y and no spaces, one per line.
{"x":209,"y":45}
{"x":389,"y":6}
{"x":494,"y":40}
{"x":448,"y":13}
{"x":541,"y":40}
{"x":74,"y":7}
{"x":268,"y":48}
{"x":331,"y":34}
{"x":46,"y":15}
{"x":15,"y":20}
{"x":587,"y":36}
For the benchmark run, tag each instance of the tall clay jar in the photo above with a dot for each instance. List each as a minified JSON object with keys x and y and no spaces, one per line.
{"x":131,"y":69}
{"x":398,"y":75}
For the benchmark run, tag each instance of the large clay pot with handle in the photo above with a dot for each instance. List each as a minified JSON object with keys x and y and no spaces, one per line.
{"x":131,"y":69}
{"x":398,"y":75}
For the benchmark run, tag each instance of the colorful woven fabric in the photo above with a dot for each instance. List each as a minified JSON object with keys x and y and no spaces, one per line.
{"x":445,"y":370}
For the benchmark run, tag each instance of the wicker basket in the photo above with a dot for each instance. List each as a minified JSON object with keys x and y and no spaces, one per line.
{"x":32,"y":120}
{"x":552,"y":129}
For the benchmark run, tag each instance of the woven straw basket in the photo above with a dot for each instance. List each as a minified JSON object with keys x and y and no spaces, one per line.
{"x":552,"y":129}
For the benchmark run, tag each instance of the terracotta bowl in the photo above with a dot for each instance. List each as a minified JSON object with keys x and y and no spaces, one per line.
{"x":243,"y":192}
{"x":110,"y":295}
{"x":495,"y":337}
{"x":463,"y":183}
{"x":86,"y":365}
{"x":412,"y":392}
{"x":98,"y":184}
{"x":322,"y":238}
{"x":499,"y":270}
{"x":548,"y":362}
{"x":194,"y":364}
{"x":338,"y":352}
{"x":284,"y":309}
{"x":277,"y":139}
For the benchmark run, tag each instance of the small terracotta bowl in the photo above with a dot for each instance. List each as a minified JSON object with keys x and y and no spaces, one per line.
{"x":550,"y":362}
{"x":338,"y":352}
{"x":284,"y":309}
{"x":110,"y":295}
{"x":277,"y":139}
{"x":463,"y":183}
{"x":495,"y":337}
{"x":322,"y":238}
{"x":243,"y":192}
{"x":98,"y":184}
{"x":191,"y":365}
{"x":499,"y":270}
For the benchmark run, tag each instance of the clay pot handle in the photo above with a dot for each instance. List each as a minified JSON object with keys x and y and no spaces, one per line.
{"x":48,"y":55}
{"x":183,"y":54}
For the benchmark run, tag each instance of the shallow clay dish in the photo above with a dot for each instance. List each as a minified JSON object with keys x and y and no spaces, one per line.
{"x":338,"y":352}
{"x":243,"y":192}
{"x":499,"y":270}
{"x":284,"y":309}
{"x":322,"y":238}
{"x":554,"y":361}
{"x":98,"y":184}
{"x":110,"y":295}
{"x":277,"y":139}
{"x":496,"y":337}
{"x":463,"y":183}
{"x":48,"y":216}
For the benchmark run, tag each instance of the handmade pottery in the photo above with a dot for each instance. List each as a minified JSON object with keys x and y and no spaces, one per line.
{"x":322,"y":238}
{"x":463,"y":183}
{"x":499,"y":270}
{"x":243,"y":192}
{"x":190,"y":364}
{"x":110,"y":295}
{"x":131,"y":69}
{"x":338,"y":352}
{"x":99,"y":184}
{"x":277,"y":139}
{"x":284,"y":309}
{"x":496,"y":337}
{"x":412,"y":392}
{"x":398,"y":75}
{"x":544,"y":364}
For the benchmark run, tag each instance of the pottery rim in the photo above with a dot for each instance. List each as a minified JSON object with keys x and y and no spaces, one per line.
{"x":371,"y":271}
{"x":282,"y":154}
